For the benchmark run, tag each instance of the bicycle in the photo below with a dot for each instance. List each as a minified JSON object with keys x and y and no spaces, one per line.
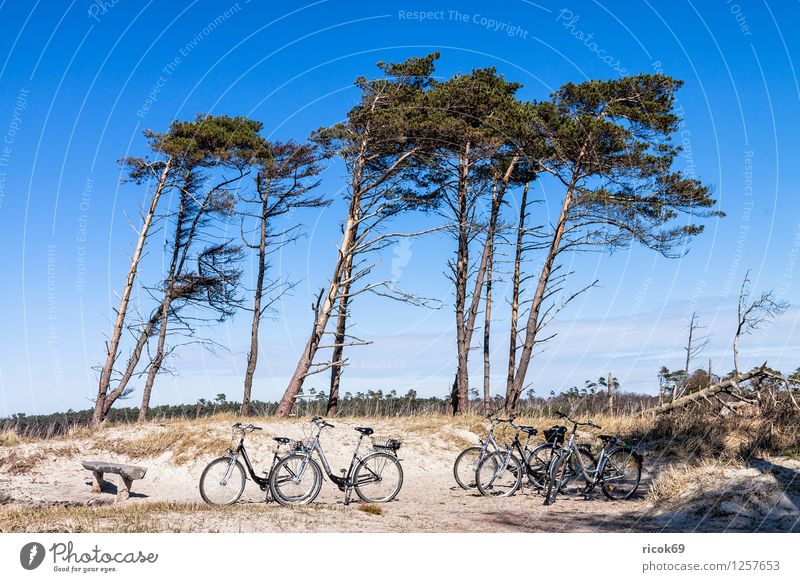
{"x":500,"y":473}
{"x":376,"y":477}
{"x":618,"y":470}
{"x":468,"y":460}
{"x":225,"y":476}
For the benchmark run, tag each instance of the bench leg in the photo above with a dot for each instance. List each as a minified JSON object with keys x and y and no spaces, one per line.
{"x":124,"y":492}
{"x":97,"y":482}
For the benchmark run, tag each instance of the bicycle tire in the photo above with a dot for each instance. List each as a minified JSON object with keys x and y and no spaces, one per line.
{"x":499,"y":475}
{"x":464,"y":464}
{"x":372,"y":470}
{"x":555,"y":472}
{"x":536,"y":463}
{"x":288,"y":472}
{"x":628,"y":461}
{"x":563,"y":469}
{"x":216,"y":470}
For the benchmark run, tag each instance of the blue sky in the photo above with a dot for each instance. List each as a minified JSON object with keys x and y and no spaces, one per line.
{"x":79,"y":81}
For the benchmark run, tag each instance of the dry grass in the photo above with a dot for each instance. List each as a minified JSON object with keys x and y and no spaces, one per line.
{"x":21,"y":462}
{"x":674,"y":481}
{"x":9,"y":438}
{"x":695,"y":435}
{"x":133,"y":518}
{"x":370,"y":508}
{"x":183,"y":441}
{"x":155,"y":517}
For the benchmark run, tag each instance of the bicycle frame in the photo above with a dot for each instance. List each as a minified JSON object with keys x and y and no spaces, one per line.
{"x":346,"y":482}
{"x":340,"y":481}
{"x":509,"y":450}
{"x":592,"y":476}
{"x":516,"y":446}
{"x":263,"y":482}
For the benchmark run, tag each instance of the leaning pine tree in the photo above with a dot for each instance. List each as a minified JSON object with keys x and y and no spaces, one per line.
{"x":182,"y":154}
{"x":286,"y":175}
{"x":608,"y":144}
{"x":474,"y":127}
{"x":377,"y":144}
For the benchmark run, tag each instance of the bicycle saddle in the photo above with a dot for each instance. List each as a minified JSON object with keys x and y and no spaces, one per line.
{"x":609,"y":438}
{"x":366,"y":431}
{"x":281,"y":440}
{"x":529,"y":430}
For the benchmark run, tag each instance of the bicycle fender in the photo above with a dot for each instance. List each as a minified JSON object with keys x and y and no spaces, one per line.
{"x":634,"y":453}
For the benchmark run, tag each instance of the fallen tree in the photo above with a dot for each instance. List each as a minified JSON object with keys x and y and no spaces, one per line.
{"x":751,"y":314}
{"x":728,"y":386}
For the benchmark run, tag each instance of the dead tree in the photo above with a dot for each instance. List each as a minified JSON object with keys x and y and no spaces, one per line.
{"x":190,"y":148}
{"x":728,"y":386}
{"x":694,"y":345}
{"x":753,"y":314}
{"x":140,"y":171}
{"x":750,"y":316}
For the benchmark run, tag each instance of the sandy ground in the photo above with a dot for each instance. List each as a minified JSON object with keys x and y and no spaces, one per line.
{"x":756,"y":498}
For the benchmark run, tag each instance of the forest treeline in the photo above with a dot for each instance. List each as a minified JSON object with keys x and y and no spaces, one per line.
{"x":366,"y":404}
{"x":459,"y":150}
{"x":592,"y":399}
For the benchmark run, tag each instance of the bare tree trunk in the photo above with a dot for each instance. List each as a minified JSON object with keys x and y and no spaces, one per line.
{"x":688,"y":358}
{"x":610,"y":394}
{"x":460,"y":395}
{"x":532,"y":327}
{"x":340,"y":336}
{"x":104,"y":400}
{"x":155,"y":365}
{"x":498,"y":192}
{"x":725,"y":385}
{"x":346,"y":249}
{"x":180,"y":251}
{"x":487,"y":334}
{"x":252,"y":356}
{"x":322,"y":314}
{"x":511,"y":395}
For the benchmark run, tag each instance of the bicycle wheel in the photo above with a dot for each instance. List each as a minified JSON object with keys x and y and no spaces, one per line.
{"x":536,"y":463}
{"x":378,"y":478}
{"x":621,"y":473}
{"x":296,"y":479}
{"x":576,"y":475}
{"x":499,"y":475}
{"x":564,"y":469}
{"x":465,"y":466}
{"x":222,"y":481}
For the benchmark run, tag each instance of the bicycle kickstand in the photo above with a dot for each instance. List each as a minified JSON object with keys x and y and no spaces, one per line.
{"x":347,"y":491}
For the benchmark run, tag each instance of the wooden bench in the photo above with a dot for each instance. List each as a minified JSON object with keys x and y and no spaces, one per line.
{"x":129,"y":474}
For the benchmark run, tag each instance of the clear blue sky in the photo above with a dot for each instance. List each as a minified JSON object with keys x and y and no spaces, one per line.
{"x":79,"y":81}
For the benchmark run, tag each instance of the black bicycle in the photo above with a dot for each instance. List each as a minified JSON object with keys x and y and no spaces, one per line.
{"x":618,"y":469}
{"x":223,"y":480}
{"x":501,"y":473}
{"x":375,"y":477}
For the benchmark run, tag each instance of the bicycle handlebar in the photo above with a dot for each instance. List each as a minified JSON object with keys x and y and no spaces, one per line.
{"x":246,"y":428}
{"x":321,"y":422}
{"x":576,"y":423}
